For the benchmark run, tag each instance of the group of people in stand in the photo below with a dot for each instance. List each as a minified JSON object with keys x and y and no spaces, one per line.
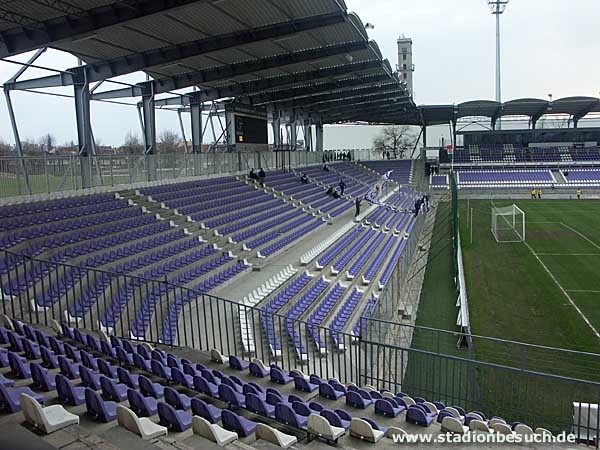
{"x":337,"y":156}
{"x":260,"y":176}
{"x":421,"y":204}
{"x":536,"y":193}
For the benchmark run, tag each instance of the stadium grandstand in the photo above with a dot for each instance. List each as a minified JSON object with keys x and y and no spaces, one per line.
{"x":258,"y":290}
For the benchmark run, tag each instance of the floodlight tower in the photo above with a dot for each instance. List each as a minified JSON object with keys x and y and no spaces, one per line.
{"x":497,"y":7}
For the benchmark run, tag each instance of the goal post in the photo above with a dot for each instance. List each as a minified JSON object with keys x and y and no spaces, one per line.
{"x":508,"y":224}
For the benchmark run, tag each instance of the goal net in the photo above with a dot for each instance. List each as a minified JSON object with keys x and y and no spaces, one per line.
{"x":508,"y":224}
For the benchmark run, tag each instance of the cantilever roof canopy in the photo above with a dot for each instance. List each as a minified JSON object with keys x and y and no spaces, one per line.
{"x":262,"y":50}
{"x":577,"y":107}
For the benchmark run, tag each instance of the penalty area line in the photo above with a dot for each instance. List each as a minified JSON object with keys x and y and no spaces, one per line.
{"x":566,"y":294}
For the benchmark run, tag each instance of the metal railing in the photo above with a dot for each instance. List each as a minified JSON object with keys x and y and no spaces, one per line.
{"x":49,"y":173}
{"x":501,"y":385}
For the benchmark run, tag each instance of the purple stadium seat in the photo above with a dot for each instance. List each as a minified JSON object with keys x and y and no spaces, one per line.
{"x":231,"y":397}
{"x":255,"y":404}
{"x":328,"y":391}
{"x":98,"y":408}
{"x":181,"y":378}
{"x":203,"y":386}
{"x":302,"y":384}
{"x":107,"y":369}
{"x":206,"y":410}
{"x":149,"y":388}
{"x":160,"y":370}
{"x":127,"y":378}
{"x":237,"y":363}
{"x":6,"y":382}
{"x":173,"y":419}
{"x":419,"y":415}
{"x":334,"y":419}
{"x":258,"y":371}
{"x":285,"y":413}
{"x":232,"y":422}
{"x":301,"y":409}
{"x":49,"y":360}
{"x":176,"y":399}
{"x":387,"y":408}
{"x":124,"y":357}
{"x":279,"y":377}
{"x":9,"y":398}
{"x":142,"y":406}
{"x":356,"y":400}
{"x":89,"y":378}
{"x":88,"y":360}
{"x":67,"y":368}
{"x":112,"y":390}
{"x":67,"y":393}
{"x":18,"y":366}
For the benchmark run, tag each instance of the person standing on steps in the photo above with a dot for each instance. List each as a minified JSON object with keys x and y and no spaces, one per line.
{"x":261,"y":176}
{"x":357,"y":204}
{"x":342,"y":186}
{"x":578,"y":193}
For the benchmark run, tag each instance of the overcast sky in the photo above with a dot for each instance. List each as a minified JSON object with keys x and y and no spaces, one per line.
{"x":548,"y":46}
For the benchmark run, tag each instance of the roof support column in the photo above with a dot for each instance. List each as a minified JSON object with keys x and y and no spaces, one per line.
{"x":293,"y":133}
{"x":149,"y":116}
{"x":276,"y":124}
{"x":84,"y":125}
{"x":424,"y":150}
{"x":308,"y":136}
{"x":319,"y":137}
{"x":196,"y":118}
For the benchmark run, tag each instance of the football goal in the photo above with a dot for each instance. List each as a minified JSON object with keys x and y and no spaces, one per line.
{"x":508,"y":224}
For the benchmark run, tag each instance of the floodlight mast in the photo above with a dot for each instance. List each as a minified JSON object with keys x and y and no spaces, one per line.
{"x":497,"y":7}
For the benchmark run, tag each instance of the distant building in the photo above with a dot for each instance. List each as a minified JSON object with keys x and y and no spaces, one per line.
{"x":405,"y":62}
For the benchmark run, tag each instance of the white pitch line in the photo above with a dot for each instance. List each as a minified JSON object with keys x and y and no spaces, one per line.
{"x":580,"y":234}
{"x":569,"y":254}
{"x":585,"y":319}
{"x":584,"y":291}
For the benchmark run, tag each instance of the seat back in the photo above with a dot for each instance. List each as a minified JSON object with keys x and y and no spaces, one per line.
{"x":39,"y":376}
{"x":255,"y":404}
{"x":87,"y":359}
{"x":125,"y":377}
{"x":331,"y":417}
{"x":172,"y":398}
{"x":33,"y":412}
{"x":127,"y":419}
{"x":286,"y":414}
{"x":137,"y":403}
{"x":301,"y":409}
{"x":47,"y":357}
{"x":122,"y":355}
{"x":178,"y":376}
{"x":320,"y":426}
{"x":227,"y":394}
{"x":16,"y":365}
{"x":105,"y":368}
{"x":147,"y":387}
{"x":201,"y":385}
{"x":362,"y":429}
{"x":94,"y":403}
{"x":64,"y":388}
{"x":353,"y":398}
{"x":108,"y":387}
{"x":87,"y":377}
{"x":158,"y":369}
{"x":230,"y":420}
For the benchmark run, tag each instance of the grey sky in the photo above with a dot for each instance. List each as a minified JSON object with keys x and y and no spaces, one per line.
{"x":549,"y":46}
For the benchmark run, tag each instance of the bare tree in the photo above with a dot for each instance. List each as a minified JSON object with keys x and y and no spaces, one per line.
{"x":167,"y":141}
{"x":5,"y":148}
{"x":132,"y":144}
{"x":394,"y":140}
